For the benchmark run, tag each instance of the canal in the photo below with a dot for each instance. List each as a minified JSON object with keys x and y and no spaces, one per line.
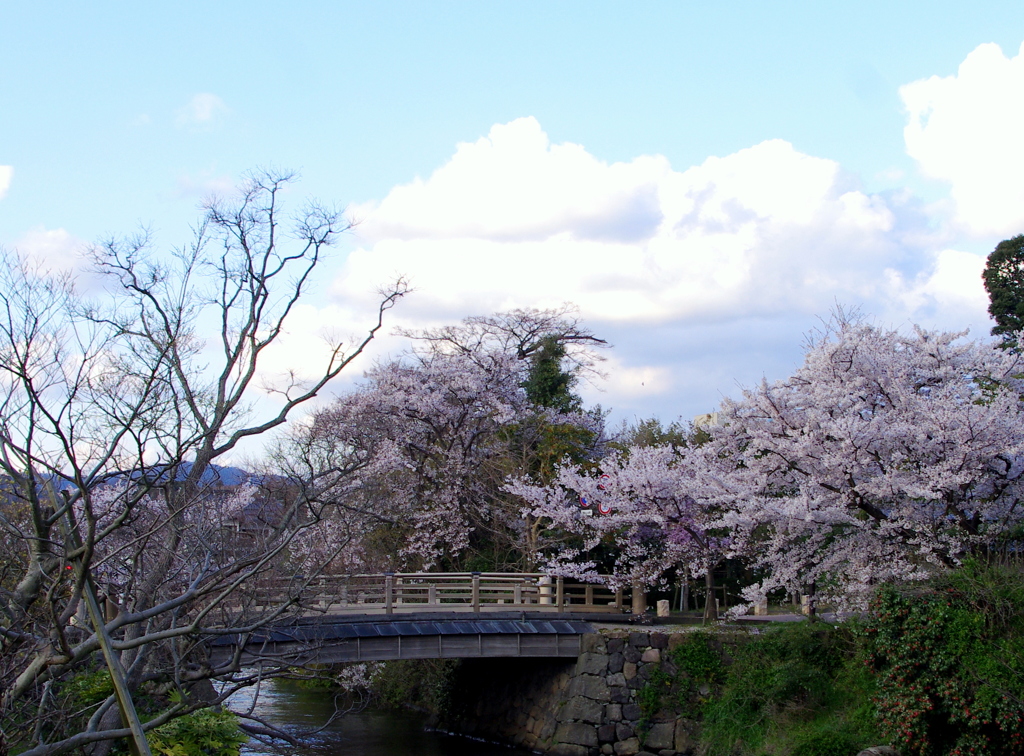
{"x":366,"y":733}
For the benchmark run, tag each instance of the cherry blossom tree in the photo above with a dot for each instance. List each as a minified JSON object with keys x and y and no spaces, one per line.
{"x":885,"y":456}
{"x":554,"y":351}
{"x":426,"y":435}
{"x":643,"y":502}
{"x":434,"y":435}
{"x":521,"y":334}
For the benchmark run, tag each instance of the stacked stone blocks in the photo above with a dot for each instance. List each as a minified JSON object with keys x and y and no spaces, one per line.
{"x":590,"y":708}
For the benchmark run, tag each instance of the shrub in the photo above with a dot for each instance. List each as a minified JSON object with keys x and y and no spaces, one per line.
{"x":950,"y":664}
{"x":202,"y":733}
{"x":698,"y":658}
{"x":697,"y":661}
{"x":421,"y":683}
{"x":797,"y":689}
{"x":88,"y":688}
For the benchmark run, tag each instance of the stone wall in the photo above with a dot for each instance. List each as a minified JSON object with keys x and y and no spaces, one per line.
{"x":585,"y":708}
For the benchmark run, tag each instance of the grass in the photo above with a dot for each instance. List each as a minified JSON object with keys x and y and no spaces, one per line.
{"x":799,"y":689}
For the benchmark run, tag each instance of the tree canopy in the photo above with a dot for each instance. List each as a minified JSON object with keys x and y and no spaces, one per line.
{"x":1004,"y":281}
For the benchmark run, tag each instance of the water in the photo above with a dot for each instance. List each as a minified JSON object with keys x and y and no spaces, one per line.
{"x":365,"y":733}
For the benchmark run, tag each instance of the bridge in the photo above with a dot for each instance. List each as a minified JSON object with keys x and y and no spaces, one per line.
{"x":423,"y":616}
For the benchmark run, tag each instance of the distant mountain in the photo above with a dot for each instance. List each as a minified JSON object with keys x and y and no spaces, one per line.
{"x":215,"y":475}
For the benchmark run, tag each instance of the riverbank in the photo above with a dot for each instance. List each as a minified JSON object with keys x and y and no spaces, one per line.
{"x":635,"y":692}
{"x":932,"y":669}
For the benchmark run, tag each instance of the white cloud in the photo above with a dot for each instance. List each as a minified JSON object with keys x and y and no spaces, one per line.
{"x":202,"y":110}
{"x":966,"y":129}
{"x":6,"y":174}
{"x":55,"y":249}
{"x":514,"y":185}
{"x":946,"y":294}
{"x":752,"y":246}
{"x":633,"y":381}
{"x":514,"y":221}
{"x":204,"y":185}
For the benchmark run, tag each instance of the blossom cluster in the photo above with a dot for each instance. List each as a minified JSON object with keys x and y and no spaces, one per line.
{"x":882,"y":458}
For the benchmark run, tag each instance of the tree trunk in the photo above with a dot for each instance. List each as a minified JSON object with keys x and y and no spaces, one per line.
{"x":710,"y":604}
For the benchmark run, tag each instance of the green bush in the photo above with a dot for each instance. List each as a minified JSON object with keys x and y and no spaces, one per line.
{"x":651,"y":697}
{"x":202,"y":733}
{"x":797,"y":689}
{"x":422,"y":684}
{"x":698,"y":658}
{"x":825,"y":741}
{"x":697,"y":661}
{"x":88,"y":688}
{"x":950,"y":664}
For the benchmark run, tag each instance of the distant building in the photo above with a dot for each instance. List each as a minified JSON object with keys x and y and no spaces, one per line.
{"x":707,"y":420}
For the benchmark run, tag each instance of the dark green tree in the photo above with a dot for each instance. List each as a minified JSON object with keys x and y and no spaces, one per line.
{"x":548,"y":383}
{"x":651,"y":432}
{"x":1004,"y":282}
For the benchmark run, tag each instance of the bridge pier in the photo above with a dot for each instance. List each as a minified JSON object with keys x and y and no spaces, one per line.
{"x":584,"y":707}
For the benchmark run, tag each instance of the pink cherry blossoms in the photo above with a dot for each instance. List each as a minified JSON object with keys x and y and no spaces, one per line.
{"x":424,"y":433}
{"x":884,"y":456}
{"x":653,"y":519}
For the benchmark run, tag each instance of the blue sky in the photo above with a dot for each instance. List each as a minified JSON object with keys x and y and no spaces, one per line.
{"x":703,"y":180}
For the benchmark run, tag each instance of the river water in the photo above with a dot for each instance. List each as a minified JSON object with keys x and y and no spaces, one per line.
{"x":365,"y":733}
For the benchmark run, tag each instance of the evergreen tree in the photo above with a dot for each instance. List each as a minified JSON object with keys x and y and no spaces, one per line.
{"x":548,"y":383}
{"x":1004,"y":282}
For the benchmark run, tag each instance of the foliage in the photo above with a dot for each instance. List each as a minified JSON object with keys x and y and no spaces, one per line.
{"x":202,"y":733}
{"x":88,"y":688}
{"x":696,"y":662}
{"x":421,"y":684}
{"x":950,"y":664}
{"x":547,"y":384}
{"x":799,"y":688}
{"x":698,"y":658}
{"x":651,"y":432}
{"x":433,"y":436}
{"x":425,"y":437}
{"x":651,"y":697}
{"x":642,"y":503}
{"x":1004,"y":281}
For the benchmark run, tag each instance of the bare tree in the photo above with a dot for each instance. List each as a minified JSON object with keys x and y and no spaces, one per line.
{"x":112,"y":420}
{"x":520,"y":333}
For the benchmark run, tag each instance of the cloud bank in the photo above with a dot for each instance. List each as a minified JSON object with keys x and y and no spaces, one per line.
{"x":513,"y":220}
{"x":966,"y":130}
{"x":704,"y":277}
{"x":752,"y":245}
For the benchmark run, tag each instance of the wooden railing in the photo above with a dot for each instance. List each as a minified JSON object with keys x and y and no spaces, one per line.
{"x":392,"y":593}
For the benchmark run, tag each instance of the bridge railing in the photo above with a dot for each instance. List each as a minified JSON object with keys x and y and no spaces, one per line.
{"x":392,"y":593}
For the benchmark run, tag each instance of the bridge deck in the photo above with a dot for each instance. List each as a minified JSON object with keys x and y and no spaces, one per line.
{"x":332,"y":640}
{"x":346,"y":618}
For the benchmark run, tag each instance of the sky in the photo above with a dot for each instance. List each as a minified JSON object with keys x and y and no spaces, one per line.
{"x":705,"y":182}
